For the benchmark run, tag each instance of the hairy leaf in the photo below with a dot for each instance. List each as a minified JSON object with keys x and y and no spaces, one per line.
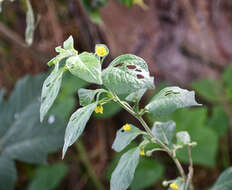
{"x":147,"y":173}
{"x":65,"y":52}
{"x":164,"y":131}
{"x":183,"y":138}
{"x":69,"y":43}
{"x":169,"y":99}
{"x":124,"y":173}
{"x":86,"y":96}
{"x":50,"y":90}
{"x":76,"y":125}
{"x":136,"y":96}
{"x":126,"y":74}
{"x":85,"y":66}
{"x":224,"y":181}
{"x":8,"y":174}
{"x":123,"y":138}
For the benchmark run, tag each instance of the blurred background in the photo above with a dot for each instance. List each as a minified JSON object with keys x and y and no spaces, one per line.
{"x":186,"y":43}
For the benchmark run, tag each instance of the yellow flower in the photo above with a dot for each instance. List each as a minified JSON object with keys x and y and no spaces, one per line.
{"x":99,"y":109}
{"x":101,"y":51}
{"x":142,"y":153}
{"x":174,"y":186}
{"x":126,"y":127}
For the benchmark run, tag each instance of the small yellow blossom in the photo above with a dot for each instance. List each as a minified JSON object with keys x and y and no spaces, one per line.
{"x":99,"y":109}
{"x":142,"y":153}
{"x":126,"y":127}
{"x":174,"y":186}
{"x":101,"y":51}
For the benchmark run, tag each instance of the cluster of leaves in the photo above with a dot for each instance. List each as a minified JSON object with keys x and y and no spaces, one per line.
{"x":22,"y":136}
{"x":125,"y":75}
{"x":206,"y":125}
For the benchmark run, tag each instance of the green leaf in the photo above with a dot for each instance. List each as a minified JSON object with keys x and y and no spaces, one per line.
{"x":69,"y":43}
{"x":227,"y":76}
{"x":29,"y":34}
{"x":224,"y":181}
{"x":66,"y":100}
{"x":124,"y":138}
{"x":218,"y":121}
{"x":85,"y":66}
{"x":208,"y":89}
{"x":194,"y":121}
{"x":164,"y":131}
{"x":150,"y":170}
{"x":48,"y":177}
{"x":86,"y":96}
{"x":8,"y":174}
{"x":124,"y":173}
{"x":169,"y":99}
{"x":65,"y":52}
{"x":76,"y":125}
{"x":147,"y":173}
{"x":183,"y":138}
{"x":126,"y":74}
{"x":23,"y":137}
{"x":50,"y":90}
{"x":136,"y":96}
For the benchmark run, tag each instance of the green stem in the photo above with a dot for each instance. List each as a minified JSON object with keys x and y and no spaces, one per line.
{"x":83,"y":156}
{"x":190,"y":174}
{"x":155,"y":140}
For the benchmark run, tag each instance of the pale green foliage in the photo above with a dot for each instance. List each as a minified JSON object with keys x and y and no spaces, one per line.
{"x":126,"y":74}
{"x":169,"y":99}
{"x":85,"y":66}
{"x":147,"y":173}
{"x":164,"y":131}
{"x":86,"y":96}
{"x":124,"y":138}
{"x":183,"y":138}
{"x":124,"y":172}
{"x":76,"y":125}
{"x":136,"y":96}
{"x":29,"y":34}
{"x":50,"y":90}
{"x":224,"y":181}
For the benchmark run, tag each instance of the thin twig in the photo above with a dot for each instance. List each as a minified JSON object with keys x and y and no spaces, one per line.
{"x":155,"y":140}
{"x":190,"y":174}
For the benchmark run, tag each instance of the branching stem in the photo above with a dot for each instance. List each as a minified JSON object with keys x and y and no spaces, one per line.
{"x":153,"y":138}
